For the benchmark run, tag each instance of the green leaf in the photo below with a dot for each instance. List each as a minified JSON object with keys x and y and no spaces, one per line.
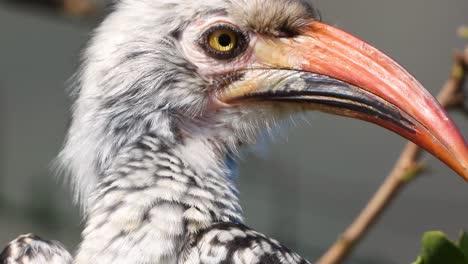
{"x":463,"y":244}
{"x":437,"y":249}
{"x":419,"y":260}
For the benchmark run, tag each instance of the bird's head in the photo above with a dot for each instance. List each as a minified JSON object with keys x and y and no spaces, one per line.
{"x":220,"y":69}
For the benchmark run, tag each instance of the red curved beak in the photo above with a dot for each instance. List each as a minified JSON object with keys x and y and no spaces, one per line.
{"x":366,"y":84}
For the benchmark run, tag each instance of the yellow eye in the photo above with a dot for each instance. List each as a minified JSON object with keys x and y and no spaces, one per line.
{"x":223,"y":40}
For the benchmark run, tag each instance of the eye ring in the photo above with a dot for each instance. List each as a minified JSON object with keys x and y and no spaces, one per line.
{"x":223,"y":41}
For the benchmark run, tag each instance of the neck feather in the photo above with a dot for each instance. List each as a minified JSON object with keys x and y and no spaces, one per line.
{"x":157,"y":191}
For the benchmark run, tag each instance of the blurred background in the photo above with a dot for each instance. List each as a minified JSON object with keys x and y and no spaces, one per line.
{"x":302,"y":189}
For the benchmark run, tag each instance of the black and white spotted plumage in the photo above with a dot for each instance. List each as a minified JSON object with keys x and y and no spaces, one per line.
{"x":231,"y":242}
{"x":174,"y":216}
{"x":31,"y":249}
{"x":149,"y":204}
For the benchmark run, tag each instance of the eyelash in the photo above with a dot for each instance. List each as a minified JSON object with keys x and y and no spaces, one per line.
{"x":242,"y":42}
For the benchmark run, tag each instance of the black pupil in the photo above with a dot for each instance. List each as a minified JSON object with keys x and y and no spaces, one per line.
{"x":224,"y":40}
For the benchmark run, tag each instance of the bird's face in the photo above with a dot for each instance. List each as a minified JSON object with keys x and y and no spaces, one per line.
{"x":305,"y":64}
{"x":219,"y":68}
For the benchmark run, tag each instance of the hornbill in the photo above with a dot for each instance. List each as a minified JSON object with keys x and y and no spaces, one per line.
{"x":170,"y":90}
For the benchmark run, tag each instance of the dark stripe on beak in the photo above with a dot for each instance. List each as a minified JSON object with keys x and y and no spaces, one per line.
{"x":342,"y":97}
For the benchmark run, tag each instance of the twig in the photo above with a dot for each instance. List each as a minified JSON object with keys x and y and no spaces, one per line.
{"x":406,"y":168}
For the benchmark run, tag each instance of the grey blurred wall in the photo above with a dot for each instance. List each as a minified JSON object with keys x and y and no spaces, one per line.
{"x":303,"y":187}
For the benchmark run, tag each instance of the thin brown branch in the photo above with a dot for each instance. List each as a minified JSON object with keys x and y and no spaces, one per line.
{"x":406,"y":168}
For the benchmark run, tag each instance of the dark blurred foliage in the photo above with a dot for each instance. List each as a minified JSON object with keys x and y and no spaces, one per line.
{"x":51,"y":5}
{"x":85,"y":9}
